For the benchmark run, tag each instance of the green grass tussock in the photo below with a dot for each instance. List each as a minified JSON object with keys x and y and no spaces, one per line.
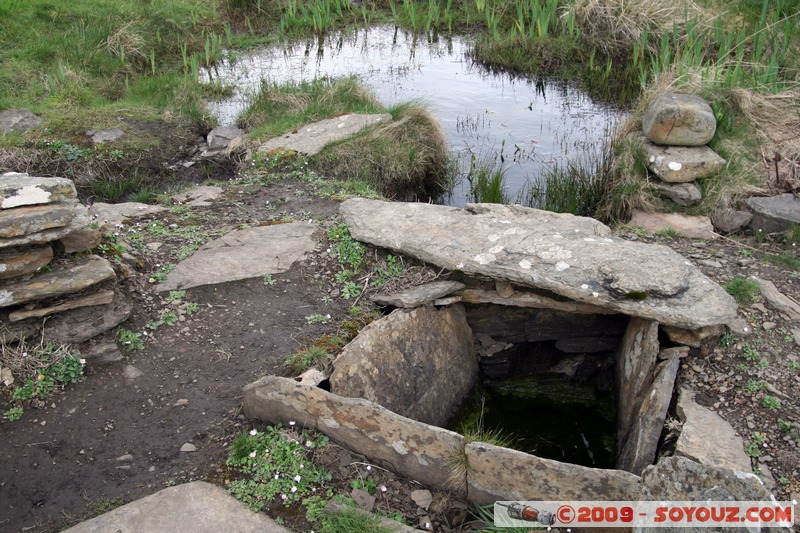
{"x":281,"y":108}
{"x":406,"y":158}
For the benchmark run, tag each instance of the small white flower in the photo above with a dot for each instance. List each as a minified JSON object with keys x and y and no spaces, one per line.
{"x":369,"y":467}
{"x":292,"y":422}
{"x":294,"y":489}
{"x":297,"y":478}
{"x":252,"y":454}
{"x":253,"y":432}
{"x":276,"y":476}
{"x":284,"y":496}
{"x":383,"y":488}
{"x":83,"y":361}
{"x":309,"y":444}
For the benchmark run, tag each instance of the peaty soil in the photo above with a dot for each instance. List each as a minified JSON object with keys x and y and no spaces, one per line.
{"x":117,"y":435}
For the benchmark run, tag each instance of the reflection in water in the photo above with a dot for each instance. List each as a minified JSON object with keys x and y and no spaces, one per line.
{"x":524,"y":126}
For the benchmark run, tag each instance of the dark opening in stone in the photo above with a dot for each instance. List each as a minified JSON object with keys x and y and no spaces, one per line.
{"x":552,"y":398}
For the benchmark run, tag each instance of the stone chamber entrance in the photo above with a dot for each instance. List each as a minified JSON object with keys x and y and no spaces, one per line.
{"x":533,"y":302}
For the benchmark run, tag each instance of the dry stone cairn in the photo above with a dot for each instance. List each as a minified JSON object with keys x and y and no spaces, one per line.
{"x":676,"y":129}
{"x":45,"y":274}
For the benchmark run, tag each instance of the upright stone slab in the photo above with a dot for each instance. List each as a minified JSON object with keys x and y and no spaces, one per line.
{"x":495,"y":473}
{"x":419,"y":363}
{"x":419,"y":451}
{"x":730,"y":220}
{"x":679,"y":120}
{"x":17,"y":190}
{"x":634,"y":371}
{"x":641,"y":445}
{"x":571,"y":256}
{"x":220,"y":138}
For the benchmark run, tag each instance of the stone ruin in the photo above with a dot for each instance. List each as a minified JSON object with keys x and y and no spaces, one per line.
{"x":523,"y":274}
{"x":50,"y":287}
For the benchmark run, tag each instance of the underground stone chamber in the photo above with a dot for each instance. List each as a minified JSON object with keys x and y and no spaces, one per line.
{"x":553,"y":382}
{"x":582,"y":390}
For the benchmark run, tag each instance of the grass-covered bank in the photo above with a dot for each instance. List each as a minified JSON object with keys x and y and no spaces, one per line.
{"x":100,"y":64}
{"x":406,"y":158}
{"x":95,"y":64}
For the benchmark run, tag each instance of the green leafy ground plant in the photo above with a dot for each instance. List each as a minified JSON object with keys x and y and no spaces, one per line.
{"x":276,"y":467}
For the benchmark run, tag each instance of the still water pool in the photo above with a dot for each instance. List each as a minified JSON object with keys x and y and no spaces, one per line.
{"x":524,"y":126}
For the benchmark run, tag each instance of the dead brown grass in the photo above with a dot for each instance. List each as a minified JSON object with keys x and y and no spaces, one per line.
{"x":617,"y":24}
{"x":126,"y":41}
{"x":763,"y":152}
{"x":776,"y":121}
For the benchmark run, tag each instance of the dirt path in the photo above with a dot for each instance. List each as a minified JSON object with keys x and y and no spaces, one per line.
{"x":117,"y":436}
{"x":114,"y":437}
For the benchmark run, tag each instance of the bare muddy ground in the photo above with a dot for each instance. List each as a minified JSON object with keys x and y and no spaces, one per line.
{"x":115,"y":437}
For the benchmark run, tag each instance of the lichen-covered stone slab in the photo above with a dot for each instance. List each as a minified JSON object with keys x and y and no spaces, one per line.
{"x":419,"y":363}
{"x":681,"y":479}
{"x":243,"y":254}
{"x":26,"y":220}
{"x":495,"y":473}
{"x":20,"y":120}
{"x":18,"y":189}
{"x":575,"y":257}
{"x":15,"y":262}
{"x":109,"y":216}
{"x":312,"y":138}
{"x":407,"y":447}
{"x":78,"y":223}
{"x":62,"y":281}
{"x":681,"y":164}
